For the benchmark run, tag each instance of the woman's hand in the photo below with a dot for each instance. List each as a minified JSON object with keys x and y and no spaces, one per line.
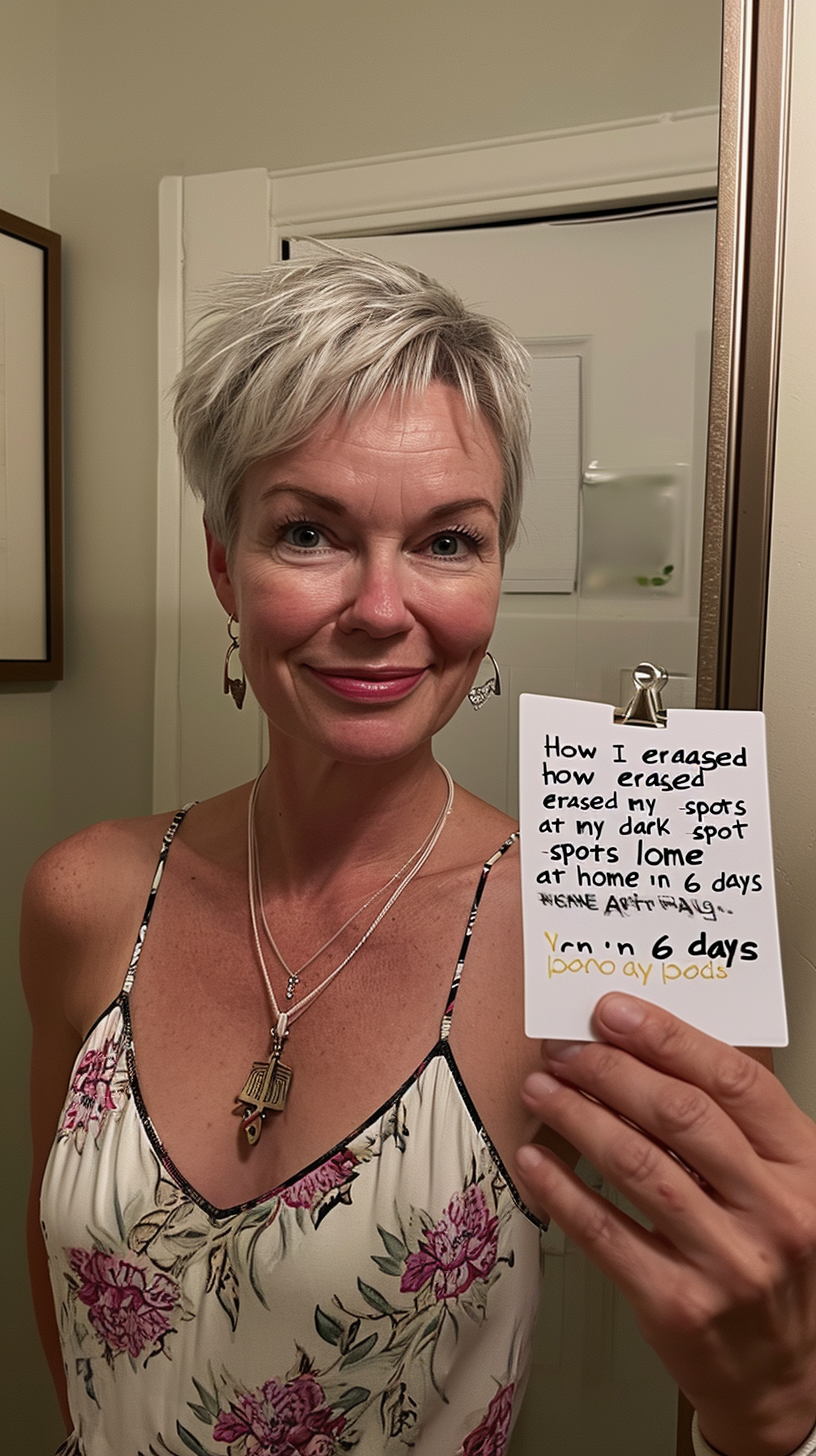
{"x":708,"y":1145}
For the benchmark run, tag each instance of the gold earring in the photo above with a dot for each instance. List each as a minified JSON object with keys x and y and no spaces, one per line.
{"x":235,"y":685}
{"x":480,"y":693}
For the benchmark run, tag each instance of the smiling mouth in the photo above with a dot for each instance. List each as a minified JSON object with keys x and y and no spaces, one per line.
{"x":376,"y":685}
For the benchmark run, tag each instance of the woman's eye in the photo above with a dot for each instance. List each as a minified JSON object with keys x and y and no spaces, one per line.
{"x":449,"y":545}
{"x":303,"y":535}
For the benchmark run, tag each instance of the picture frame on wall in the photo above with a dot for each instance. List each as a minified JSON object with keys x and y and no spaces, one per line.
{"x":31,"y":613}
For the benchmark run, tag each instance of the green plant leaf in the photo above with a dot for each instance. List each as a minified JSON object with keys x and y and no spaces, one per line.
{"x":375,"y":1299}
{"x":223,"y":1277}
{"x":359,"y":1352}
{"x":349,"y":1336}
{"x":642,"y":580}
{"x":208,"y":1397}
{"x":355,"y":1396}
{"x":396,"y":1248}
{"x":327,"y":1328}
{"x":658,"y":581}
{"x":388,"y":1266}
{"x":190,"y":1441}
{"x":85,"y":1369}
{"x":667,"y":570}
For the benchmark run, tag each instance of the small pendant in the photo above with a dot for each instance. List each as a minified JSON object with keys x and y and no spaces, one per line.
{"x":294,"y":980}
{"x":265,"y":1090}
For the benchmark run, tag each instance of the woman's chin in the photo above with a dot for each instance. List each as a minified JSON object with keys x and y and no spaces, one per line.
{"x":372,"y":739}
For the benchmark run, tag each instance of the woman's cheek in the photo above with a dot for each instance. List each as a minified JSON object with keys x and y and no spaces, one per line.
{"x":465,"y":621}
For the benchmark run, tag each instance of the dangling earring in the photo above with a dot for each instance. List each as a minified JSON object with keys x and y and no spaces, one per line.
{"x":235,"y":685}
{"x":480,"y":693}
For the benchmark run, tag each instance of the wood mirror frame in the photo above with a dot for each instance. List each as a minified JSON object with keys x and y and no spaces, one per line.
{"x":745,"y":351}
{"x":754,"y":104}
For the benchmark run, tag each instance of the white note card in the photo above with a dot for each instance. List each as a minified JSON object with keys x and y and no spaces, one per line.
{"x":647,"y":867}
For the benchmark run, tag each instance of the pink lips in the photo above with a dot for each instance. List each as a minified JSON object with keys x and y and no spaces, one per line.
{"x":385,"y":685}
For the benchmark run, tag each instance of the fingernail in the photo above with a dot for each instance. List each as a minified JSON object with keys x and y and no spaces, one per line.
{"x":529,"y":1158}
{"x":561,"y":1051}
{"x":621,"y":1013}
{"x":538,"y":1085}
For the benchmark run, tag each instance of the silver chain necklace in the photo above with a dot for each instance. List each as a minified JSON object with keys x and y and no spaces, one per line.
{"x":267,"y":1086}
{"x":293,"y":977}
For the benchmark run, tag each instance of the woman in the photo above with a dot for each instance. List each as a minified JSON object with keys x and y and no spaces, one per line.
{"x":233,"y":1269}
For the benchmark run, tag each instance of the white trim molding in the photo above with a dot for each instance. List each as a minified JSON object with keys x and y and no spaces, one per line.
{"x":166,"y":763}
{"x":644,"y":159}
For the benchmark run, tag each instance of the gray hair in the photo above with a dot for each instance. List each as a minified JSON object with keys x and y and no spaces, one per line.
{"x":278,"y":351}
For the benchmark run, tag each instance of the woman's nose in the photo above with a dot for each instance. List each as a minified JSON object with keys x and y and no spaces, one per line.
{"x":376,"y":602}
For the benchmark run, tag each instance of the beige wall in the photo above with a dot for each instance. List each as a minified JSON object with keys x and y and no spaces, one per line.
{"x":107,"y":96}
{"x":28,"y":158}
{"x":790,"y":696}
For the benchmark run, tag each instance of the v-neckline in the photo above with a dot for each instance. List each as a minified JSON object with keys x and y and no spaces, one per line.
{"x":440,"y":1048}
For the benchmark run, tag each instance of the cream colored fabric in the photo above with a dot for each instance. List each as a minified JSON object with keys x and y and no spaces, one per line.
{"x":387,"y":1291}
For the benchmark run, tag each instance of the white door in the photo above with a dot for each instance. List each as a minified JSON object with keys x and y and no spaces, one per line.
{"x":616,"y":314}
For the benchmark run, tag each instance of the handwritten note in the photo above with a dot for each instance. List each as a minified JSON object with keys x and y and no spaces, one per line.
{"x":647,"y":867}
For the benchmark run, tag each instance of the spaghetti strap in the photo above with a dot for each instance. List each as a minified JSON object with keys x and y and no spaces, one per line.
{"x":169,"y":836}
{"x":444,"y":1030}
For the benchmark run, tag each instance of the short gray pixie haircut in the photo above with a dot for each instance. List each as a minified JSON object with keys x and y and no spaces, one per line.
{"x":277,"y":352}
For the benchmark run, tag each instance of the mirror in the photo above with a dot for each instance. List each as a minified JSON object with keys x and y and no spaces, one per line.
{"x":222,"y":224}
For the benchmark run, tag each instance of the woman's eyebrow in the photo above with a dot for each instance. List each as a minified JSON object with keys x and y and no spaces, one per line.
{"x":314,"y":497}
{"x":328,"y":503}
{"x":468,"y":503}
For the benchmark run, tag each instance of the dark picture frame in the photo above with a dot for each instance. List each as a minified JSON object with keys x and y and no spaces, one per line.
{"x":31,"y":581}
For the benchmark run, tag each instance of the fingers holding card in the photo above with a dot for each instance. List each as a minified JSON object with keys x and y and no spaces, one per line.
{"x":710,"y":1148}
{"x":647,"y":868}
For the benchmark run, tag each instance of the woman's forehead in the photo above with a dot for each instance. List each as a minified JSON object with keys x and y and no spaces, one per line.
{"x":435,"y":422}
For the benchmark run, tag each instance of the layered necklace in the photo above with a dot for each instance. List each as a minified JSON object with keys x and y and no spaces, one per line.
{"x":267,"y":1086}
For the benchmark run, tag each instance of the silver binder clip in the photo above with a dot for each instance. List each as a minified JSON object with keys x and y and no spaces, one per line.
{"x":646,"y":709}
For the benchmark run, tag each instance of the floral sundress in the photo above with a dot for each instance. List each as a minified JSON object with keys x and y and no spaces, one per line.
{"x":382,"y":1300}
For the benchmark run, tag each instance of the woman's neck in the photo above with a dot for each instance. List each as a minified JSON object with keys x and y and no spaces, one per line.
{"x":316,"y":818}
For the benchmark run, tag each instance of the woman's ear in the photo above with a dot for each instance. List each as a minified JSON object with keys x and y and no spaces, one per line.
{"x":219,"y":572}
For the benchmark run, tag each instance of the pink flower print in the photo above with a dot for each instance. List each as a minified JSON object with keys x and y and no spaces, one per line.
{"x":309,"y":1189}
{"x":461,"y":1247}
{"x":490,"y":1436}
{"x":127,"y":1308}
{"x":280,"y":1419}
{"x":90,"y":1098}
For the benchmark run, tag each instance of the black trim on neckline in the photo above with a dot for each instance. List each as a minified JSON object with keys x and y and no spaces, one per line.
{"x":441,"y":1049}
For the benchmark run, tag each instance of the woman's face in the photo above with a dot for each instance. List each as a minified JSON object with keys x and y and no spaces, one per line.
{"x":366,"y":575}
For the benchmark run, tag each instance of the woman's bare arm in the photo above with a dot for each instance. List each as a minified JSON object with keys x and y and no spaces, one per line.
{"x":79,"y":918}
{"x":49,"y":947}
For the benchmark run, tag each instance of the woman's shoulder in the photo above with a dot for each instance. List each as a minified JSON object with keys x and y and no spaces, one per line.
{"x":81,"y":909}
{"x":82,"y":877}
{"x":482,"y":830}
{"x":92,"y":872}
{"x":487,"y":837}
{"x":84,"y":899}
